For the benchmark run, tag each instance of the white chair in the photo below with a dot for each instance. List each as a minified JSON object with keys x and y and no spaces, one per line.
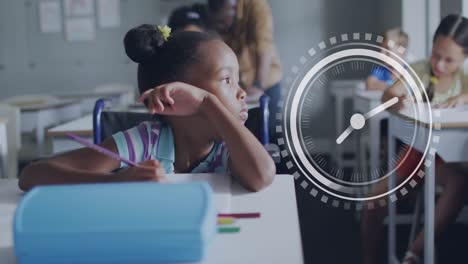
{"x":13,"y":134}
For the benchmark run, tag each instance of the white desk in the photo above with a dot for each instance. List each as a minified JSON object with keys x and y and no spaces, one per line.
{"x":273,"y":238}
{"x":82,"y":126}
{"x":450,"y":142}
{"x":36,"y":117}
{"x":363,"y":102}
{"x":341,"y":91}
{"x":3,"y":148}
{"x":88,"y":99}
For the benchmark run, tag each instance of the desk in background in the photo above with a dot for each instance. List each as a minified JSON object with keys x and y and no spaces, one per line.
{"x":341,"y":91}
{"x":37,"y":116}
{"x":273,"y":238}
{"x":82,"y":127}
{"x":88,"y":99}
{"x":449,"y":141}
{"x":363,"y":102}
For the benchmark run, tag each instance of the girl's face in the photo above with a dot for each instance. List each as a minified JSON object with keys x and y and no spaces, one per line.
{"x":446,"y":57}
{"x":218,"y":73}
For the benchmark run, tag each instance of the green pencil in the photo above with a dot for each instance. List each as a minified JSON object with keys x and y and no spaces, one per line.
{"x":234,"y":229}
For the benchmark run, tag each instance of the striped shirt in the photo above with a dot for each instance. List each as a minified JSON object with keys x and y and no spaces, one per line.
{"x":458,"y":86}
{"x":153,"y":140}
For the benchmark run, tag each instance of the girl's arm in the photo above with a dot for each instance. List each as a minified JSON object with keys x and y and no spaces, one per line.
{"x":396,"y":90}
{"x":374,"y":84}
{"x":250,"y":163}
{"x":85,"y":166}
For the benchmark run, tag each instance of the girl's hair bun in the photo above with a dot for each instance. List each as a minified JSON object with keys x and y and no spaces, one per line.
{"x":143,"y":43}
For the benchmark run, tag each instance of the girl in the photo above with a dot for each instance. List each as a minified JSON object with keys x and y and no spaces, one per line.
{"x":191,"y":79}
{"x":446,"y":86}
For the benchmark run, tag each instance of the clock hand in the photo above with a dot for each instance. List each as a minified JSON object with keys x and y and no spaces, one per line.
{"x":344,"y":135}
{"x":381,"y":107}
{"x":358,"y":121}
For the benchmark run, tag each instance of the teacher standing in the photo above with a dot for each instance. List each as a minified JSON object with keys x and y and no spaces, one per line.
{"x":247,"y":27}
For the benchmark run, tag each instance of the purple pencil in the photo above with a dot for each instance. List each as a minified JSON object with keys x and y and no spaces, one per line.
{"x":100,"y":149}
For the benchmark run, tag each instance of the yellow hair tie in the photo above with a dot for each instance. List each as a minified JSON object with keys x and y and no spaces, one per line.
{"x":434,"y":80}
{"x":165,"y":31}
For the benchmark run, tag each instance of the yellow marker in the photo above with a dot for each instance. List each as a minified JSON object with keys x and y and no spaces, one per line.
{"x":225,"y":220}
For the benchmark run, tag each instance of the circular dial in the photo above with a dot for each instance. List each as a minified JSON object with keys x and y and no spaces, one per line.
{"x":311,"y":152}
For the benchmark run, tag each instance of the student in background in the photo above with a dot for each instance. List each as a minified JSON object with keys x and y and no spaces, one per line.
{"x":191,"y":80}
{"x":446,"y":86}
{"x":381,"y":78}
{"x":189,"y":18}
{"x":247,"y":27}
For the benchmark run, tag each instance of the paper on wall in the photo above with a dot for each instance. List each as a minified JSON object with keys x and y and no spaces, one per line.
{"x":50,"y":17}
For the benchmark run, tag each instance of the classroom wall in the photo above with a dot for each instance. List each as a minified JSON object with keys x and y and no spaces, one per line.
{"x":413,"y":22}
{"x":316,"y":21}
{"x":450,"y":7}
{"x":390,"y":14}
{"x":34,"y":62}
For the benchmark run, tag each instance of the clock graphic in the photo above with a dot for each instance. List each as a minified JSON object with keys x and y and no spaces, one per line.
{"x":304,"y":111}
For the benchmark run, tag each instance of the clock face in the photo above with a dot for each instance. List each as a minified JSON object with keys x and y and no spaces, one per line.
{"x":311,"y":153}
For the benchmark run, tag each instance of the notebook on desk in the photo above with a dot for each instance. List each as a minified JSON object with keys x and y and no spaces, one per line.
{"x":220,"y":183}
{"x":450,"y":117}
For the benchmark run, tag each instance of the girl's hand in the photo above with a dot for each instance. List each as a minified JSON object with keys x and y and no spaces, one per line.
{"x":453,"y":102}
{"x":403,"y":102}
{"x":149,"y":170}
{"x":174,"y":98}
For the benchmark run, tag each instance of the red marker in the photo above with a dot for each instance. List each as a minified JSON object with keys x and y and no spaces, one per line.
{"x":241,"y":215}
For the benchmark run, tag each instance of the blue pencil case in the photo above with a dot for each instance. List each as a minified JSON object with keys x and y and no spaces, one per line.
{"x":115,"y":223}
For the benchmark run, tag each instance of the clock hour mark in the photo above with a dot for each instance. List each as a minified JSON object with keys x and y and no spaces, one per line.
{"x":339,"y":174}
{"x":337,"y":70}
{"x":394,"y":161}
{"x":321,"y":161}
{"x":307,"y":121}
{"x":322,"y":80}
